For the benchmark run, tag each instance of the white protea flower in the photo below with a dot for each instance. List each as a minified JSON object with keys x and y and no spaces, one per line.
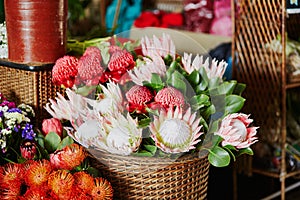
{"x":215,"y":69}
{"x":88,"y":134}
{"x":144,"y":72}
{"x":162,"y":46}
{"x":110,"y":101}
{"x":123,"y":135}
{"x":174,"y":132}
{"x":75,"y":109}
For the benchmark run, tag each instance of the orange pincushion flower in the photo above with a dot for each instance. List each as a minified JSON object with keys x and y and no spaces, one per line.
{"x":78,"y":194}
{"x":102,"y":189}
{"x":84,"y":181}
{"x":69,"y":157}
{"x":12,"y":175}
{"x":38,"y":172}
{"x":61,"y":183}
{"x":34,"y":193}
{"x":12,"y":193}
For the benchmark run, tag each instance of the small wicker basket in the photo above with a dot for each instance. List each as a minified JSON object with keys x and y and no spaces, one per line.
{"x":135,"y":177}
{"x":29,"y":84}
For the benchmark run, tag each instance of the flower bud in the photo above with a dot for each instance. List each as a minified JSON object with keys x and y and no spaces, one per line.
{"x":28,"y":150}
{"x":52,"y":125}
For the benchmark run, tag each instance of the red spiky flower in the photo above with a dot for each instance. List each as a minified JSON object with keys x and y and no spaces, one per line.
{"x":169,"y":97}
{"x":89,"y":66}
{"x":138,"y":97}
{"x":120,"y":60}
{"x":64,"y":71}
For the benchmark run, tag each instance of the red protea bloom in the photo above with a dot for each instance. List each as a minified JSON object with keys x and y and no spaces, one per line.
{"x":89,"y":66}
{"x":12,"y":193}
{"x":84,"y":181}
{"x":11,"y":176}
{"x":102,"y":189}
{"x":169,"y":97}
{"x":69,"y":157}
{"x":64,"y":71}
{"x":52,"y":125}
{"x":138,"y":96}
{"x":37,"y":173}
{"x":28,"y":149}
{"x":120,"y":60}
{"x":61,"y":183}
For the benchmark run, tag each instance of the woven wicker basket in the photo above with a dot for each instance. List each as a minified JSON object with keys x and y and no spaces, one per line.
{"x":28,"y":84}
{"x":154,"y":178}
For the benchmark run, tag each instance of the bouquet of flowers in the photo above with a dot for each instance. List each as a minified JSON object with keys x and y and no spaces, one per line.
{"x":143,"y":99}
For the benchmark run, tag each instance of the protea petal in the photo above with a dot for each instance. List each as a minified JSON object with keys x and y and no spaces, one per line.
{"x":172,"y":133}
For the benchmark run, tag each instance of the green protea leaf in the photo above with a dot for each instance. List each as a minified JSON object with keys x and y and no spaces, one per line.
{"x":234,"y":103}
{"x":219,"y":157}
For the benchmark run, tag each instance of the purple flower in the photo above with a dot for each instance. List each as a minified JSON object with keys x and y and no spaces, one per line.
{"x":11,"y":110}
{"x":28,"y":132}
{"x":1,"y":113}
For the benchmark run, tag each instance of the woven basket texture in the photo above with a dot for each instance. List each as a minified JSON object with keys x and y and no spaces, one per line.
{"x":169,"y":5}
{"x":30,"y":87}
{"x":154,"y":178}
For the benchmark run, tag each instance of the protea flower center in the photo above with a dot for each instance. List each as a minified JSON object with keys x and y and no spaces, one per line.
{"x":169,"y":97}
{"x":174,"y":132}
{"x":240,"y":126}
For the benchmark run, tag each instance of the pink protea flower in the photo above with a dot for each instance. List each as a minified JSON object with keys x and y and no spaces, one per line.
{"x":215,"y":69}
{"x":162,"y":46}
{"x":176,"y":132}
{"x":89,"y":66}
{"x":28,"y":149}
{"x":64,"y":71}
{"x":138,"y":96}
{"x":169,"y":97}
{"x":235,"y":131}
{"x":52,"y":125}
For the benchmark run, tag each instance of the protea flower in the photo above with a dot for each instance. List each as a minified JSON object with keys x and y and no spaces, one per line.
{"x":28,"y":149}
{"x":162,"y":46}
{"x":138,"y":97}
{"x":144,"y":71}
{"x":89,"y":66}
{"x":215,"y":69}
{"x":64,"y":71}
{"x":174,"y":131}
{"x":68,"y":158}
{"x":52,"y":125}
{"x":109,"y":101}
{"x":34,"y":193}
{"x":102,"y":189}
{"x":75,"y":109}
{"x":61,"y":183}
{"x":116,"y":134}
{"x":37,"y":173}
{"x":169,"y":97}
{"x":235,"y":131}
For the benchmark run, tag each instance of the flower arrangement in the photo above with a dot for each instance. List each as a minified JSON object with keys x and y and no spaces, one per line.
{"x":16,"y":130}
{"x":143,"y":99}
{"x":57,"y":178}
{"x":43,"y":164}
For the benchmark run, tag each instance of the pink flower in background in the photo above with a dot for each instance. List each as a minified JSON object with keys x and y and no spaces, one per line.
{"x":52,"y":125}
{"x":235,"y":131}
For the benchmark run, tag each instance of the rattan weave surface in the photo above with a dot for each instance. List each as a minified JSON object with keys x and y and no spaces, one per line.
{"x":154,"y":178}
